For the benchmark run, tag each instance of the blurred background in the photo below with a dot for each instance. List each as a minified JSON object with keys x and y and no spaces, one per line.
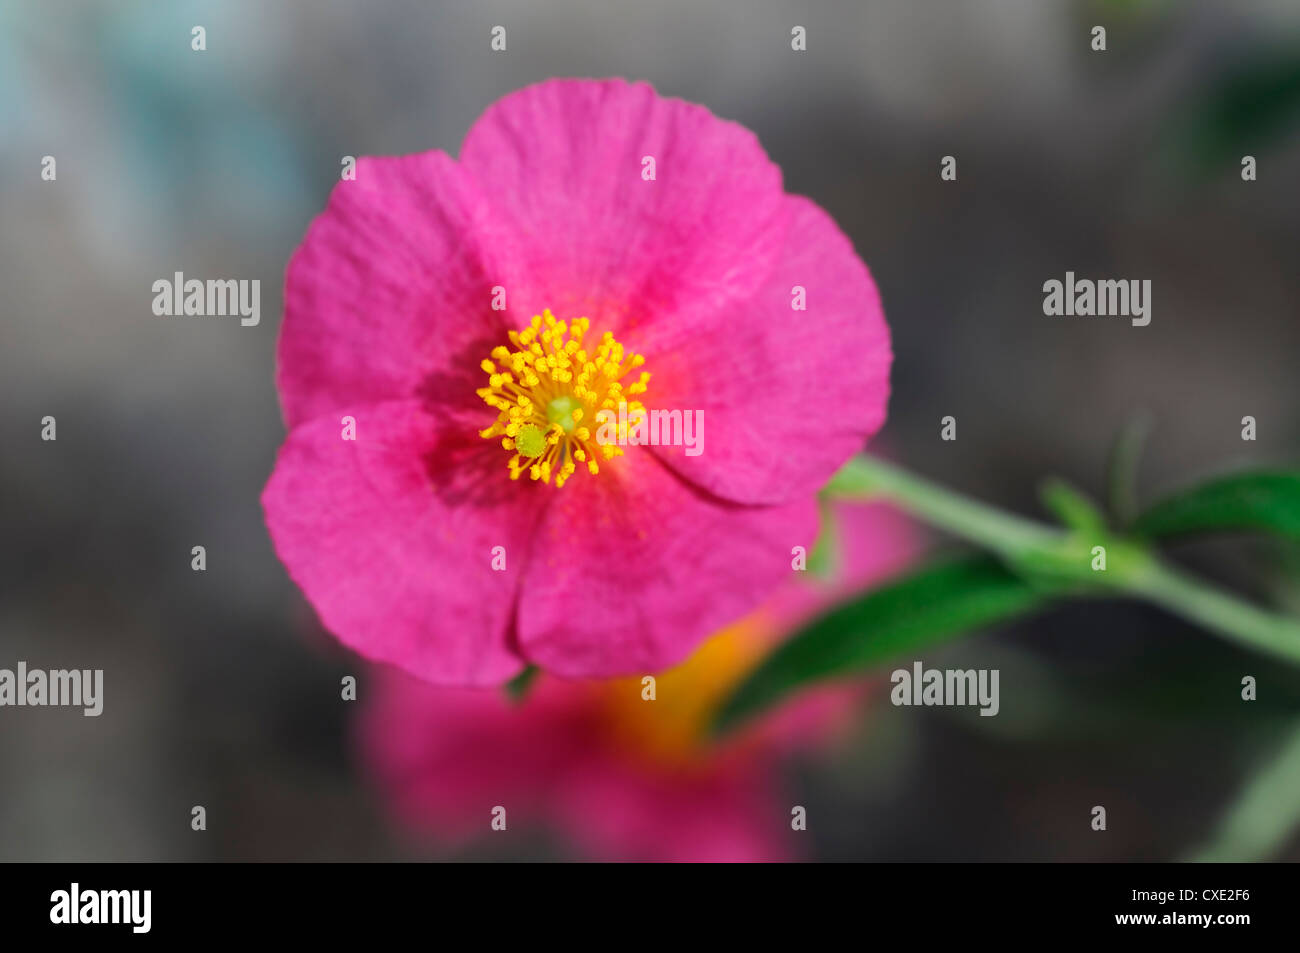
{"x":220,"y":688}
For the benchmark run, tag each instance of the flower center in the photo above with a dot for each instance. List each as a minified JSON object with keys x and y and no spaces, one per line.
{"x":548,"y":391}
{"x":673,"y":729}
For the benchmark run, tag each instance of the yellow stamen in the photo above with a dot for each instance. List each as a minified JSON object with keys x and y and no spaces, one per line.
{"x":545,"y":385}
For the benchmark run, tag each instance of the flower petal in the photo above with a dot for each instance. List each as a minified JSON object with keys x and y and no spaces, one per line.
{"x":631,"y":570}
{"x":390,"y":537}
{"x":729,"y":814}
{"x":391,"y":288}
{"x":874,"y":541}
{"x":446,"y":756}
{"x":562,"y":164}
{"x":787,"y":395}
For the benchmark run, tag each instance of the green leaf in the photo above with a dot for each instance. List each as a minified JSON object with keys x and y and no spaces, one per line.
{"x":910,"y":614}
{"x":517,"y":688}
{"x":1248,"y":106}
{"x":1123,"y":466}
{"x":1260,"y":500}
{"x":1072,"y":508}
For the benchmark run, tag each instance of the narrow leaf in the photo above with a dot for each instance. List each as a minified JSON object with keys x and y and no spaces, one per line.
{"x":1266,"y":500}
{"x":1072,"y":508}
{"x":908,"y":615}
{"x":1123,"y":468}
{"x":517,"y":688}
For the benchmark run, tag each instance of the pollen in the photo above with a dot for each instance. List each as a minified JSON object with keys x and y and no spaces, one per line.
{"x":549,"y":388}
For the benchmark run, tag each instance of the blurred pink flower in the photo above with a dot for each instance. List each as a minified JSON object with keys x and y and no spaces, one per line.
{"x":619,"y":777}
{"x":615,"y":563}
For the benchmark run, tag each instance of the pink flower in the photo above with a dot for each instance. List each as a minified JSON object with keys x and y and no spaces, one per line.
{"x":622,"y":778}
{"x":472,"y":425}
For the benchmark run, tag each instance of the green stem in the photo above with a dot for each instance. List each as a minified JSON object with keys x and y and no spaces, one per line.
{"x":1265,"y":813}
{"x":1026,"y":545}
{"x":1217,"y":611}
{"x":976,"y":522}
